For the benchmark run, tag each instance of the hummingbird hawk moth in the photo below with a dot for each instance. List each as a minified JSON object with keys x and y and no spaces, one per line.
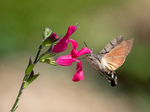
{"x":111,"y":58}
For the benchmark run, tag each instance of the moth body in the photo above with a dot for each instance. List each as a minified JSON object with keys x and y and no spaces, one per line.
{"x":111,"y":58}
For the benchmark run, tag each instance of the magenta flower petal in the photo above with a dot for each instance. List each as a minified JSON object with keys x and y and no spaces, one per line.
{"x":71,"y":30}
{"x":79,"y":74}
{"x":74,"y":44}
{"x":63,"y":43}
{"x":74,"y":52}
{"x":83,"y":51}
{"x":79,"y":66}
{"x":66,"y":60}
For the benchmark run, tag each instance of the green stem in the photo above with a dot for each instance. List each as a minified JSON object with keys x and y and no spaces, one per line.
{"x":15,"y":106}
{"x":38,"y":53}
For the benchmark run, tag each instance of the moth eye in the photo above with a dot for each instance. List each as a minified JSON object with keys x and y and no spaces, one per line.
{"x":91,"y":59}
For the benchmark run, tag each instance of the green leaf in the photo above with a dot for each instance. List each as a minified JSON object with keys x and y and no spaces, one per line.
{"x":31,"y":78}
{"x":30,"y":61}
{"x":48,"y":42}
{"x":29,"y":68}
{"x":49,"y":53}
{"x":50,"y":60}
{"x":45,"y":56}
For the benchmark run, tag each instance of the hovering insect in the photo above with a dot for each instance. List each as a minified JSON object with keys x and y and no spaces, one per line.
{"x":111,"y":58}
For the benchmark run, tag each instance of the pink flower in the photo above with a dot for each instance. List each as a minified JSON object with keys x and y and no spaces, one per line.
{"x":63,"y":43}
{"x":67,"y":60}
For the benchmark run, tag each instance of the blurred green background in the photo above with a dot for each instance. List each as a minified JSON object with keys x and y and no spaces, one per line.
{"x":21,"y":27}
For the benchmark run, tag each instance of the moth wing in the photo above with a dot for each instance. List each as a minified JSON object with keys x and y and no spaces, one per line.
{"x":110,"y":46}
{"x":116,"y":57}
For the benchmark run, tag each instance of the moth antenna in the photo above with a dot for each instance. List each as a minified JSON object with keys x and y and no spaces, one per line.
{"x":85,"y":44}
{"x":149,"y":83}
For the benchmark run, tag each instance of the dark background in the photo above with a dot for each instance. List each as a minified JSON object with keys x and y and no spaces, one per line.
{"x":21,"y":27}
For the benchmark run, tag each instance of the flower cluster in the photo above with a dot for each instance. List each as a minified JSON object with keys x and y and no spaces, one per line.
{"x":61,"y":44}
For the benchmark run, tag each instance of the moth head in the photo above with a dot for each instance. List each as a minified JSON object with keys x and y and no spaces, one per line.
{"x":91,"y":58}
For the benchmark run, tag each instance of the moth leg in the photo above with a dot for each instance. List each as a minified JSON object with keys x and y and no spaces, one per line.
{"x":110,"y":76}
{"x":106,"y":75}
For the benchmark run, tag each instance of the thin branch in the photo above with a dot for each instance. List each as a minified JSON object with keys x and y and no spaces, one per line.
{"x":38,"y":53}
{"x":15,"y":106}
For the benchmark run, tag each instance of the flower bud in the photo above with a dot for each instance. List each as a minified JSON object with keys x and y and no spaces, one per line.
{"x":47,"y":32}
{"x":50,"y":61}
{"x":49,"y":38}
{"x":49,"y":57}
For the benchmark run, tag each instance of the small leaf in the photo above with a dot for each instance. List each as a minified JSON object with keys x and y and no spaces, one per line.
{"x":28,"y":75}
{"x":47,"y":54}
{"x":31,"y":78}
{"x":29,"y":68}
{"x":30,"y":61}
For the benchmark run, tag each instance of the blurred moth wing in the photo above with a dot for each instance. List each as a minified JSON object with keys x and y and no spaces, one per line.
{"x":116,"y":57}
{"x":111,"y":57}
